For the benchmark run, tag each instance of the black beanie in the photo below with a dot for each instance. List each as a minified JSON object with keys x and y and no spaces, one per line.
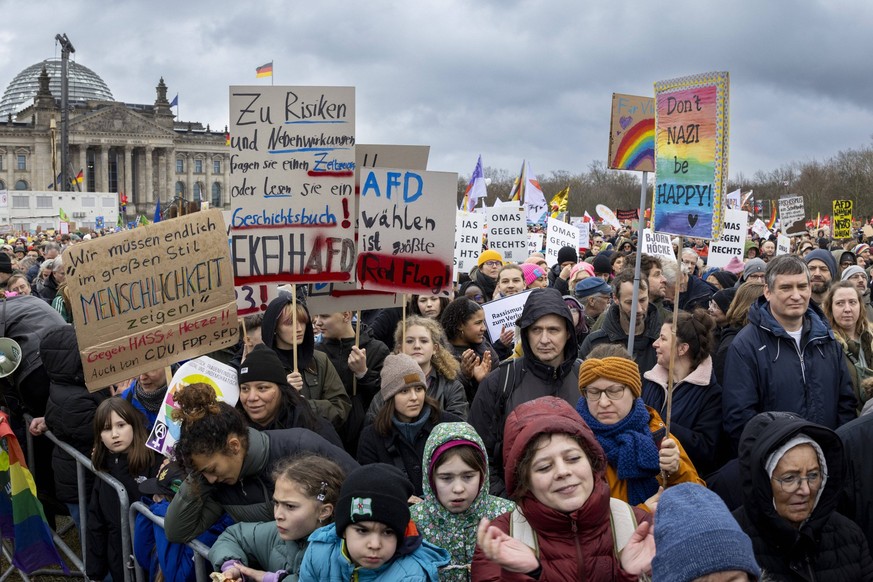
{"x":567,"y":254}
{"x":725,"y":279}
{"x":602,"y":265}
{"x":377,"y":492}
{"x":724,"y":297}
{"x":262,"y":365}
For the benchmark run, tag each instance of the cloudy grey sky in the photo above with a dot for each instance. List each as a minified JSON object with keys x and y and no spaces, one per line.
{"x":507,"y":79}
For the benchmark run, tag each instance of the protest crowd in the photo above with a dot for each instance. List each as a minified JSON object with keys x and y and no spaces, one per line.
{"x":412,"y":443}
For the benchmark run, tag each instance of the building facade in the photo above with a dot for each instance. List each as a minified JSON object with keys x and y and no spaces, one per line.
{"x":137,"y":150}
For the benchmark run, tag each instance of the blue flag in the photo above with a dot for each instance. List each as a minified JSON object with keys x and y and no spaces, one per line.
{"x":175,"y":101}
{"x":157,"y":211}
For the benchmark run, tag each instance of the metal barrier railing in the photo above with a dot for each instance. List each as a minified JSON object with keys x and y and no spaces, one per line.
{"x":202,"y":567}
{"x":82,"y":463}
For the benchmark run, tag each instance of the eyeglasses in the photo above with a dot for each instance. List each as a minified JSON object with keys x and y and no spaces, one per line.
{"x":757,"y":276}
{"x":613,"y":393}
{"x":492,"y":264}
{"x":792,"y":483}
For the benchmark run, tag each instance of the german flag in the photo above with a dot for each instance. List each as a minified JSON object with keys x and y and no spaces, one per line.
{"x":80,"y":177}
{"x":227,"y":139}
{"x":264,"y":70}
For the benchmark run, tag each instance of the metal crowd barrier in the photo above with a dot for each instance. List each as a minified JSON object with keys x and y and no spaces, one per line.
{"x":82,"y":463}
{"x":202,"y":567}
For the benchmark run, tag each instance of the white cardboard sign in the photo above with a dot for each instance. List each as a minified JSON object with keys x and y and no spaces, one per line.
{"x":559,"y":234}
{"x":732,"y":241}
{"x":507,"y":233}
{"x":503,"y":312}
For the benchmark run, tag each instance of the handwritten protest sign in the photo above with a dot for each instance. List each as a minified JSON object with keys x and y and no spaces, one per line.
{"x":732,"y":241}
{"x":760,"y":229}
{"x":406,"y":230}
{"x":605,"y":213}
{"x":507,"y":233}
{"x":658,"y":244}
{"x":691,"y":132}
{"x":534,"y":242}
{"x":559,"y":234}
{"x":151,"y":296}
{"x":842,"y":218}
{"x":221,"y":377}
{"x":468,"y":240}
{"x":783,"y":245}
{"x":584,"y":231}
{"x":503,"y":312}
{"x":333,"y":297}
{"x":292,"y":186}
{"x":632,"y":133}
{"x":792,"y":215}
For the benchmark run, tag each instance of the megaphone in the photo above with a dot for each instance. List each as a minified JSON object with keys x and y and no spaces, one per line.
{"x":10,"y":356}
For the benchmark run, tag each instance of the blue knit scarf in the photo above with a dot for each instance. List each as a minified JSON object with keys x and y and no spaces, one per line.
{"x":629,"y":448}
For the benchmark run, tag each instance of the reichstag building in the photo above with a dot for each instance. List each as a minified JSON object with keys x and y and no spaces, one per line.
{"x":139,"y":150}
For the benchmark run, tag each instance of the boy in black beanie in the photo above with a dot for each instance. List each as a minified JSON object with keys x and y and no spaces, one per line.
{"x":372,"y":536}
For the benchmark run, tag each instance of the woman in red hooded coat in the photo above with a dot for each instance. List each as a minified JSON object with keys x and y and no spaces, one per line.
{"x":555,"y":472}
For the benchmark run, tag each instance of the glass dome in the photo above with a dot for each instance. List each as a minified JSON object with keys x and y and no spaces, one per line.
{"x":85,"y":84}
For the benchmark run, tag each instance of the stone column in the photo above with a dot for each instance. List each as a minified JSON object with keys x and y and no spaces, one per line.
{"x":103,"y":175}
{"x":189,"y":176}
{"x":128,"y":171}
{"x":207,"y":194}
{"x":169,"y":167}
{"x":149,"y":192}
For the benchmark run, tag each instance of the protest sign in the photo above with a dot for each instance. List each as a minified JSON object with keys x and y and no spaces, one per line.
{"x":606,"y":214}
{"x":221,"y":377}
{"x":534,"y":242}
{"x":506,"y":230}
{"x":792,"y":215}
{"x":658,"y":244}
{"x":732,"y":200}
{"x":333,"y":297}
{"x":632,"y":133}
{"x":406,"y":231}
{"x":151,"y":296}
{"x":783,"y":245}
{"x":503,"y":312}
{"x":559,"y":234}
{"x":842,"y":218}
{"x":691,"y":133}
{"x":468,"y":240}
{"x":732,"y":241}
{"x":292,"y":184}
{"x":627,"y":214}
{"x":584,"y":231}
{"x":760,"y":229}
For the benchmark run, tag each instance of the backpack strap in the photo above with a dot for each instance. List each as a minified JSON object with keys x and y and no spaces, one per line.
{"x":521,"y":530}
{"x":623,"y":522}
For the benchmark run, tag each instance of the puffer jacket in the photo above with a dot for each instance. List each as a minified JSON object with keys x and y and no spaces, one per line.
{"x":455,"y":532}
{"x":199,"y":504}
{"x":572,"y":546}
{"x":70,"y":408}
{"x":258,"y":545}
{"x":696,"y":411}
{"x":611,"y":332}
{"x":326,"y":561}
{"x":524,"y":379}
{"x":769,"y":372}
{"x":322,"y":386}
{"x":697,"y":294}
{"x":827,"y":546}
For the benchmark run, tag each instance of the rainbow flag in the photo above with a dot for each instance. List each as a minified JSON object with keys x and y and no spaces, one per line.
{"x":21,"y":516}
{"x":264,"y":70}
{"x":772,"y":222}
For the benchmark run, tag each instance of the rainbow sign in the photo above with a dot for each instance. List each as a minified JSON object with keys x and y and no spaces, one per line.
{"x":632,"y":133}
{"x":691,"y":162}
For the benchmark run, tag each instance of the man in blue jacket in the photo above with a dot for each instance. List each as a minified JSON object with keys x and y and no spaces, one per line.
{"x":786,"y":358}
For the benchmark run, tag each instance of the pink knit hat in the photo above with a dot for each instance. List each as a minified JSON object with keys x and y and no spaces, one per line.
{"x":735,"y":266}
{"x":531,"y":273}
{"x":587,"y":267}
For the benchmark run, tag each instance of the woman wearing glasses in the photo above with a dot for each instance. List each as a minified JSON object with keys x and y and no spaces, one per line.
{"x":792,"y":476}
{"x":641,"y":457}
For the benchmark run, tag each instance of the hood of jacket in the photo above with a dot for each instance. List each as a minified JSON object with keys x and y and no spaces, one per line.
{"x":764,"y":434}
{"x":59,"y":350}
{"x":542,"y":302}
{"x":271,"y":321}
{"x":696,"y":288}
{"x":455,"y":532}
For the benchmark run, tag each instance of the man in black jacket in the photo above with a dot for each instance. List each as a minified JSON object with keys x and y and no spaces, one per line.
{"x":548,"y":367}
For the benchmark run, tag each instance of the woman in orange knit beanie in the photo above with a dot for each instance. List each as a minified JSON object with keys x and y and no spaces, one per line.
{"x":642,"y":458}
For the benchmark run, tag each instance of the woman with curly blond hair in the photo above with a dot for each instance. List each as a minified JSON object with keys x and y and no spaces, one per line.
{"x":425,"y":341}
